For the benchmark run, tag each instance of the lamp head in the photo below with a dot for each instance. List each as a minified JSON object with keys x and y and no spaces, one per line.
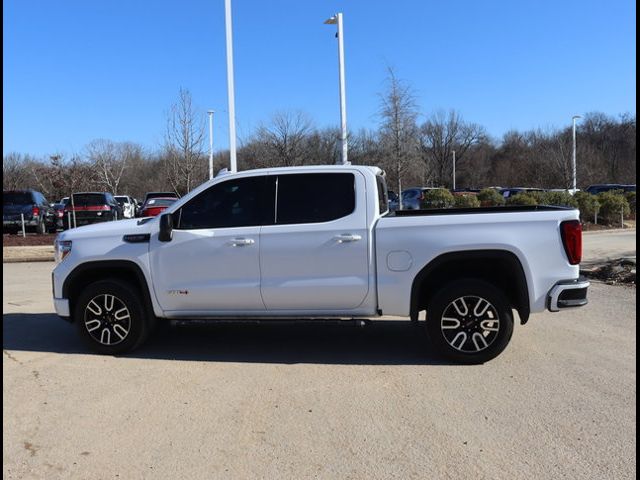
{"x":331,"y":21}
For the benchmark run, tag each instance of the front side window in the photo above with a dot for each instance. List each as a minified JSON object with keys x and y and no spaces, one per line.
{"x":234,"y":203}
{"x":314,"y":197}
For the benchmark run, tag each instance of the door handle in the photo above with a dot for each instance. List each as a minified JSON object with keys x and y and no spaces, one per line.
{"x":242,"y":242}
{"x":347,"y":237}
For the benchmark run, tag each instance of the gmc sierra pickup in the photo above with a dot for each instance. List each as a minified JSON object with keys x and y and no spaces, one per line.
{"x":319,"y":242}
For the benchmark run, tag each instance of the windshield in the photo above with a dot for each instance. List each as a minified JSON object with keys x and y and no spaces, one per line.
{"x":410,"y":193}
{"x":16,"y":198}
{"x":160,"y":202}
{"x":89,"y":199}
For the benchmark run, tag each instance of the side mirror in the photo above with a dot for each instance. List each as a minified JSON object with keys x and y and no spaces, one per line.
{"x":166,"y":227}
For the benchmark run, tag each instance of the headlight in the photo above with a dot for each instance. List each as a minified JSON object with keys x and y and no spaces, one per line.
{"x":63,"y":248}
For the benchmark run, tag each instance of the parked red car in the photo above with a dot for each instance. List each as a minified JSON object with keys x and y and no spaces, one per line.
{"x":155,"y":206}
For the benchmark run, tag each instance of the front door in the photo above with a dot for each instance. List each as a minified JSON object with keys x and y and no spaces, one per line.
{"x":212,"y":265}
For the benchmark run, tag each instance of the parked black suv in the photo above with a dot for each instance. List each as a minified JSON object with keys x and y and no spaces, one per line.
{"x":91,"y":207}
{"x":608,"y":187}
{"x":30,"y":205}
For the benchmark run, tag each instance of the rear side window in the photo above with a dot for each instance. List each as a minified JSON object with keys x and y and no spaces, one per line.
{"x":383,"y":196}
{"x":234,"y":203}
{"x":314,"y":197}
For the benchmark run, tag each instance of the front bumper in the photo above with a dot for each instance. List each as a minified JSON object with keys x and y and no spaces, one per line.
{"x":568,"y":294}
{"x":62,"y":307}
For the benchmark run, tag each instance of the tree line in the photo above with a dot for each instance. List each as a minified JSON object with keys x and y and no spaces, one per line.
{"x":414,"y":149}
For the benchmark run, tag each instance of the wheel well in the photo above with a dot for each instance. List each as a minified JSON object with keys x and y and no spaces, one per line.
{"x":91,"y":272}
{"x":500,"y":268}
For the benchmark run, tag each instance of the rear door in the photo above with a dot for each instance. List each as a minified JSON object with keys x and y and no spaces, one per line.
{"x":314,"y":256}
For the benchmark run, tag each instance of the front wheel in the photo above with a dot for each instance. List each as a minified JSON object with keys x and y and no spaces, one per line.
{"x":470,"y":321}
{"x":110,"y":317}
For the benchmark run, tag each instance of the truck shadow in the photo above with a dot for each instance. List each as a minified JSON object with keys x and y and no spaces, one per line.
{"x":377,"y":343}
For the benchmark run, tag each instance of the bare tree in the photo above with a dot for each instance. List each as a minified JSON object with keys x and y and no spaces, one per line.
{"x":398,"y":129}
{"x":183,"y":152}
{"x":285,"y":141}
{"x":440,"y":135}
{"x":15,"y":171}
{"x":64,"y":177}
{"x":110,"y":161}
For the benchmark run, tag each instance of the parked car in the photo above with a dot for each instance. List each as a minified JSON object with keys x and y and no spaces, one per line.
{"x":412,"y":198}
{"x":127,"y":204}
{"x":58,"y":214}
{"x":393,"y":201}
{"x":317,"y":242}
{"x":465,"y":191}
{"x":510,"y":192}
{"x":30,"y":205}
{"x":608,"y":187}
{"x":149,"y":195}
{"x":91,"y":207}
{"x":155,"y":206}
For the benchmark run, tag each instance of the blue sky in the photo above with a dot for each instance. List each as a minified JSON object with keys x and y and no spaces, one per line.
{"x":78,"y":70}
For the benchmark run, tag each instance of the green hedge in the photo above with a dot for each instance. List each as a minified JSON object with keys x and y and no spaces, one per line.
{"x":490,"y":197}
{"x":588,"y":205}
{"x":611,"y":205}
{"x":631,"y":200}
{"x":438,"y":198}
{"x":522,"y":199}
{"x":466,"y":201}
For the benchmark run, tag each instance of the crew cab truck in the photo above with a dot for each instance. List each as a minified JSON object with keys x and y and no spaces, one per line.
{"x":319,"y":242}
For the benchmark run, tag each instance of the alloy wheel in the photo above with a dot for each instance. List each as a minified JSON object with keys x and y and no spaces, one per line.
{"x":107,"y":319}
{"x":470,"y":324}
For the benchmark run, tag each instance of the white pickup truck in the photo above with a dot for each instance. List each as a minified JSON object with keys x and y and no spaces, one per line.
{"x":319,"y":242}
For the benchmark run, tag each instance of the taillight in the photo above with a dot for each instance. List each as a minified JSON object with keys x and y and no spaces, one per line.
{"x":571,"y":232}
{"x":106,"y":207}
{"x":35,"y":211}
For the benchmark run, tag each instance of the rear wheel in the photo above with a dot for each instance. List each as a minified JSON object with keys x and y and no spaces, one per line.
{"x":110,"y":317}
{"x":470,"y":321}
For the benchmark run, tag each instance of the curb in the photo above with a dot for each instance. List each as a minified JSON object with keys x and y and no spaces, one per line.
{"x":610,"y":230}
{"x":27,"y":260}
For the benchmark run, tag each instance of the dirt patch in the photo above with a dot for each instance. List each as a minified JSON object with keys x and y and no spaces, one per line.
{"x":614,"y":272}
{"x":31,"y":240}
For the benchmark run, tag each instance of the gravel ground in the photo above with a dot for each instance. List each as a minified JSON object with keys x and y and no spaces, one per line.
{"x":318,"y":401}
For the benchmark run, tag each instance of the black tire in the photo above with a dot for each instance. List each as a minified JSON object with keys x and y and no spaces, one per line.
{"x":470,"y":321}
{"x":102,"y":324}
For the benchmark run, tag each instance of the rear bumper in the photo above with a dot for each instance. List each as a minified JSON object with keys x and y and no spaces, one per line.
{"x":30,"y":222}
{"x":568,"y":294}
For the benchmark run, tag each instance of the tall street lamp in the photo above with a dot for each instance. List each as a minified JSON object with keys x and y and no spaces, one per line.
{"x":210,"y":112}
{"x":337,"y":20}
{"x":574,"y":118}
{"x":454,"y":170}
{"x":230,"y":93}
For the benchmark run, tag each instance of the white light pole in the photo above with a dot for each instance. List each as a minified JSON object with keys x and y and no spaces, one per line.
{"x":230,"y":93}
{"x":210,"y":112}
{"x":454,"y":170}
{"x":573,"y":163}
{"x":337,"y":20}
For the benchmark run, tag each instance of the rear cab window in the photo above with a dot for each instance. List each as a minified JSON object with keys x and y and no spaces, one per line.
{"x":17,"y":198}
{"x":89,"y":199}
